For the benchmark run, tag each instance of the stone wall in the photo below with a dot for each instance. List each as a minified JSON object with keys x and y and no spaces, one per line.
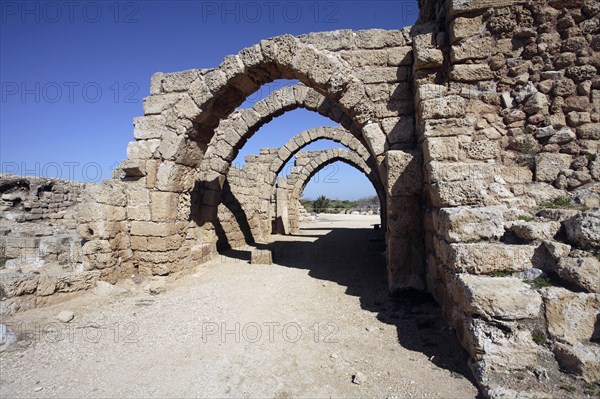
{"x":507,"y":108}
{"x":481,"y":125}
{"x":42,"y":250}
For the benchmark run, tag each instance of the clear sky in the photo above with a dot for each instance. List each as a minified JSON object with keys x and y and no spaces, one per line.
{"x":73,"y":73}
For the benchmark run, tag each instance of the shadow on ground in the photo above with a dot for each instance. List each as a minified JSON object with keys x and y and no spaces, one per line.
{"x":354,"y":258}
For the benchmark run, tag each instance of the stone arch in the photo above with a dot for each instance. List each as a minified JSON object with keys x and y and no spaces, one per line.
{"x":185,"y":109}
{"x":301,"y":140}
{"x":319,"y":160}
{"x":238,"y":127}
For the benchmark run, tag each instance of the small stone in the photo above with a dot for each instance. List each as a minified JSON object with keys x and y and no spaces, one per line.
{"x":370,"y":328}
{"x":261,"y":256}
{"x":531,"y":274}
{"x":358,"y":378}
{"x":38,"y":389}
{"x":65,"y":316}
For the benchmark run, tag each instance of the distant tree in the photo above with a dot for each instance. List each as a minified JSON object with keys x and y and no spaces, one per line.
{"x":321,"y":204}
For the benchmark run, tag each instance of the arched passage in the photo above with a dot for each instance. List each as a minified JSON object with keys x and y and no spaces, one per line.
{"x":185,"y":109}
{"x":316,"y":161}
{"x":272,"y":161}
{"x":233,"y":132}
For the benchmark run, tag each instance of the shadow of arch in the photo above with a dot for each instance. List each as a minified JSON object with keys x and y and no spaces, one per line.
{"x":229,"y":200}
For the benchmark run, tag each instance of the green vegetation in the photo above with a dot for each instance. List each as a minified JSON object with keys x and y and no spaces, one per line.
{"x":500,"y":273}
{"x":591,"y":157}
{"x":558,"y":202}
{"x":539,"y":337}
{"x":540,"y":282}
{"x":590,"y":388}
{"x":526,"y":218}
{"x":529,"y":151}
{"x":324,"y":204}
{"x":3,"y":260}
{"x":568,"y":388}
{"x":321,"y":204}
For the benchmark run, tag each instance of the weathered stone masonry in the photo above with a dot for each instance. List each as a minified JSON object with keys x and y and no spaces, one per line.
{"x":482,"y":123}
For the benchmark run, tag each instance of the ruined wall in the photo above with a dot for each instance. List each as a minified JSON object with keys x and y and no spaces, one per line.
{"x":44,"y":252}
{"x":507,"y":116}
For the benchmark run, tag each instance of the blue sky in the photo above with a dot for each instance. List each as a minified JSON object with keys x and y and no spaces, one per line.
{"x":73,"y":74}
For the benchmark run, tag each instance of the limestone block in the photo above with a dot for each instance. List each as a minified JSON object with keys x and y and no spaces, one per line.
{"x":472,"y":48}
{"x":153,"y":229}
{"x":89,"y":212}
{"x":428,"y":57}
{"x":133,"y":168}
{"x":583,"y":272}
{"x":375,"y":138}
{"x":404,"y":175}
{"x":571,"y":316}
{"x":429,"y":91}
{"x":446,"y":107}
{"x":497,"y":348}
{"x":468,"y":224}
{"x":378,"y":38}
{"x":579,"y":358}
{"x":471,"y":72}
{"x":177,"y":81}
{"x":383,"y":74}
{"x":536,"y":103}
{"x":142,"y":149}
{"x":483,"y":149}
{"x":495,"y":297}
{"x":455,"y":193}
{"x":549,"y":165}
{"x":557,"y":249}
{"x":17,"y":285}
{"x":199,"y":92}
{"x":261,"y":256}
{"x":405,"y":262}
{"x":333,"y":41}
{"x":400,"y":56}
{"x":583,"y":229}
{"x":138,"y":197}
{"x":486,"y":258}
{"x":163,"y":206}
{"x":399,"y":130}
{"x":46,"y":285}
{"x":460,"y":7}
{"x":404,"y":216}
{"x":535,"y":230}
{"x":149,"y":127}
{"x":590,"y":131}
{"x":441,"y":148}
{"x":445,"y":127}
{"x":174,"y":177}
{"x":462,"y":27}
{"x":157,"y":103}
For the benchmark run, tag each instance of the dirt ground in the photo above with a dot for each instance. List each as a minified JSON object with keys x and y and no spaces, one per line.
{"x":314,"y":324}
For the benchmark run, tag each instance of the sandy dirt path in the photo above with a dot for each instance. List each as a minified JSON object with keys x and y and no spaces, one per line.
{"x":300,"y":328}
